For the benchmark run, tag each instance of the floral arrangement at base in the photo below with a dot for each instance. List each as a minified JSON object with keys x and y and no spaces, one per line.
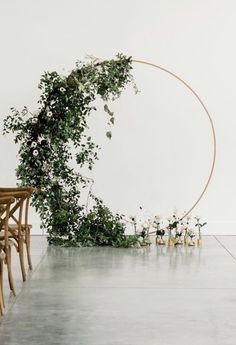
{"x":172,"y":230}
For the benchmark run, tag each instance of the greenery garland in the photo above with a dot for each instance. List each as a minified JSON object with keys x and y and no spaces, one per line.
{"x":46,"y":138}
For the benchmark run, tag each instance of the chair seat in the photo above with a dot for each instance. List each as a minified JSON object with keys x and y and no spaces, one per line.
{"x":15,"y":226}
{"x":13,"y":230}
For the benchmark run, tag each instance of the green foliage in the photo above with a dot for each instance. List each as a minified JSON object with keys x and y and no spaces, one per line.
{"x":100,"y":227}
{"x":46,"y":138}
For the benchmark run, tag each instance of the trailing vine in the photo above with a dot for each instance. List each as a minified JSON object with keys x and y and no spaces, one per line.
{"x":46,"y":138}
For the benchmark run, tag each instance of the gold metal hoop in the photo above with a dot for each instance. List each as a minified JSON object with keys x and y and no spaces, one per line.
{"x":213,"y":134}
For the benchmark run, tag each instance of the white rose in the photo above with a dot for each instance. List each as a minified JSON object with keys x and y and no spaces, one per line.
{"x":49,"y":114}
{"x":62,"y":89}
{"x":34,"y":120}
{"x":35,"y":153}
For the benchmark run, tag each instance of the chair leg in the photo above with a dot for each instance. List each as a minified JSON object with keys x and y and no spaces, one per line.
{"x":2,"y":304}
{"x":21,"y":256}
{"x":9,"y":271}
{"x":27,"y":242}
{"x":1,"y":282}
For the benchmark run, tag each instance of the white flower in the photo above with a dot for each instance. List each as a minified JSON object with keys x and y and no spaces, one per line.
{"x":99,"y":68}
{"x":37,"y":112}
{"x":43,"y":189}
{"x":145,"y":225}
{"x":25,"y":111}
{"x":62,"y":89}
{"x":40,"y":139}
{"x":133,"y":218}
{"x":35,"y":153}
{"x":34,"y":119}
{"x":34,"y":144}
{"x":191,"y":233}
{"x":49,"y":114}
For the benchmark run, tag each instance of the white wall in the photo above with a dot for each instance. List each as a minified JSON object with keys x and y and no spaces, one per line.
{"x":160,"y":153}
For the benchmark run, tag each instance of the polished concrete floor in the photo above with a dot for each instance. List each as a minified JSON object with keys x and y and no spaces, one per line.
{"x":106,"y":296}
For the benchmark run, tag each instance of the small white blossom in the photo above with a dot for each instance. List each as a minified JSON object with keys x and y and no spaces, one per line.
{"x":35,"y":153}
{"x":157,"y":218}
{"x":34,"y":120}
{"x":49,"y":114}
{"x":133,"y":218}
{"x":145,"y":225}
{"x":99,"y":68}
{"x":34,"y":144}
{"x":62,"y":89}
{"x":43,"y":189}
{"x":191,"y":233}
{"x":40,"y":139}
{"x":25,"y":111}
{"x":36,"y":112}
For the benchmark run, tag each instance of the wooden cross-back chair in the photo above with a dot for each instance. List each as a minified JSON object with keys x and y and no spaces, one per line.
{"x":25,"y":226}
{"x":5,"y":248}
{"x":19,"y":231}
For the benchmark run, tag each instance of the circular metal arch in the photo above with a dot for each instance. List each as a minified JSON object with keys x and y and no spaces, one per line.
{"x":213,"y":134}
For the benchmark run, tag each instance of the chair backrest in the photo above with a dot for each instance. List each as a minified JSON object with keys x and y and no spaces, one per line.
{"x":5,"y":205}
{"x":16,"y":209}
{"x":25,"y":200}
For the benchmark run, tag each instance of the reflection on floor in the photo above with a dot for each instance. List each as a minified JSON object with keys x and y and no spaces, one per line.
{"x":106,"y":296}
